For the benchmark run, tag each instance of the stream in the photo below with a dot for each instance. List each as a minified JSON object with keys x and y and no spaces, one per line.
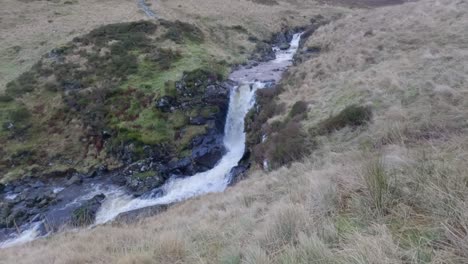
{"x":117,"y":200}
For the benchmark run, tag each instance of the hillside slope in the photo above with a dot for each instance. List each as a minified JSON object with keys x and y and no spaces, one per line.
{"x":383,"y":120}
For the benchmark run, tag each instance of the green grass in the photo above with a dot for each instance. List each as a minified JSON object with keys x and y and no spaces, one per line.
{"x":148,"y":128}
{"x":144,"y":175}
{"x":190,"y":132}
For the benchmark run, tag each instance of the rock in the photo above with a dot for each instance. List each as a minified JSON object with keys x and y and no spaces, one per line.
{"x":86,"y":214}
{"x":284,"y":46}
{"x":166,"y":103}
{"x":135,"y":215}
{"x":5,"y":211}
{"x":37,"y":184}
{"x":181,"y":167}
{"x":207,"y":158}
{"x":18,"y":215}
{"x":198,"y":121}
{"x":75,"y":179}
{"x":142,"y":186}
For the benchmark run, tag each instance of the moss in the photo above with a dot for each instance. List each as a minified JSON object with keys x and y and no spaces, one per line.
{"x":148,"y":128}
{"x":189,"y":133}
{"x":25,"y":83}
{"x":210,"y":111}
{"x":178,"y":119}
{"x":144,"y":175}
{"x":107,"y":80}
{"x":15,"y":119}
{"x":5,"y":98}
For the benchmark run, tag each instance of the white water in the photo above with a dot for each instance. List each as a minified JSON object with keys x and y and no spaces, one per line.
{"x":24,"y":237}
{"x":242,"y":99}
{"x":214,"y":180}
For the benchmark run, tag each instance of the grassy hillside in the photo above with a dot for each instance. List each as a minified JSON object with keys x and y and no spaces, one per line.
{"x":30,"y":28}
{"x":385,"y":180}
{"x":64,"y":86}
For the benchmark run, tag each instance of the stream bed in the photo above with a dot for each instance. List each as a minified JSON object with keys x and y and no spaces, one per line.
{"x":111,"y":201}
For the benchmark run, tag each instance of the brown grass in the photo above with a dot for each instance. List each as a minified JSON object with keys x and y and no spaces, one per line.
{"x":29,"y":29}
{"x":407,"y":62}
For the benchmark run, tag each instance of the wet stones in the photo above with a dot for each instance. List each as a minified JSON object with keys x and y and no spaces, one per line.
{"x":75,"y":179}
{"x":86,"y":214}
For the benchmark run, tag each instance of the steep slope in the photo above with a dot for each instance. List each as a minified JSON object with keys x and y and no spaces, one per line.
{"x":383,"y":117}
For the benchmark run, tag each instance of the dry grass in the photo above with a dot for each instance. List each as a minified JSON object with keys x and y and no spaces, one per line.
{"x":406,"y":205}
{"x":29,"y":29}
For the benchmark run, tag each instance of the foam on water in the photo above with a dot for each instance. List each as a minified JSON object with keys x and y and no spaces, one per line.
{"x":26,"y":236}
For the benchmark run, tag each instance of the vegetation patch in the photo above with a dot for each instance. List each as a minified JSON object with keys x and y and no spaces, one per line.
{"x":352,"y":116}
{"x":106,"y":83}
{"x":280,"y":142}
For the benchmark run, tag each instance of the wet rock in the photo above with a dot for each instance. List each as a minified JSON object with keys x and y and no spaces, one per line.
{"x":17,"y":216}
{"x":5,"y":211}
{"x":86,"y":214}
{"x":239,"y":172}
{"x":37,"y":184}
{"x":181,"y":167}
{"x":206,"y":158}
{"x":283,"y":38}
{"x":143,"y":184}
{"x":263,"y":52}
{"x":75,"y":179}
{"x":135,"y":215}
{"x":284,"y":46}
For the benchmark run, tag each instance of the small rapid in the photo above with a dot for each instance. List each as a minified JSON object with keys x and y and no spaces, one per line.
{"x":242,"y":98}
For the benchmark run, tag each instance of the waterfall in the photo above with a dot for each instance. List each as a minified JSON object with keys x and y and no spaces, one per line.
{"x":242,"y":98}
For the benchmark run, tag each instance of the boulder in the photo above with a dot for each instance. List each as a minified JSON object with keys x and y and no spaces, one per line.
{"x":75,"y":179}
{"x":284,"y":46}
{"x":86,"y":213}
{"x":166,"y":104}
{"x":135,"y":215}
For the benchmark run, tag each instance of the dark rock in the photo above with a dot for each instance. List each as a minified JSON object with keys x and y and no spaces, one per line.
{"x":59,"y":173}
{"x":5,"y":211}
{"x":207,"y":158}
{"x":75,"y":179}
{"x":199,"y":120}
{"x":181,"y":167}
{"x":284,"y":46}
{"x":238,"y":173}
{"x":166,"y":103}
{"x":135,"y":215}
{"x":106,"y":134}
{"x":17,"y":216}
{"x":86,"y":214}
{"x":37,"y":184}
